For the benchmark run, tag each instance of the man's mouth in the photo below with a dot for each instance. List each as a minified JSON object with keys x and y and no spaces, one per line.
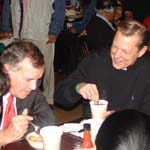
{"x":118,"y":62}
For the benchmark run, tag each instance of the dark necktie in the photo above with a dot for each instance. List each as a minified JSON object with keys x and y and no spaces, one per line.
{"x":9,"y":112}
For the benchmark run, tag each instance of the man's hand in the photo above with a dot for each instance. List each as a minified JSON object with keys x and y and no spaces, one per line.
{"x":107,"y":113}
{"x":18,"y":126}
{"x":88,"y":91}
{"x":5,"y":35}
{"x":51,"y":39}
{"x":83,"y":33}
{"x":73,"y":30}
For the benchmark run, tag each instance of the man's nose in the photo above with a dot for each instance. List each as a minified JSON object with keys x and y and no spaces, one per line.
{"x":118,"y":53}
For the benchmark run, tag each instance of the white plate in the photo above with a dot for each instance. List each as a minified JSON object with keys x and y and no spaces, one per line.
{"x":36,"y":145}
{"x":69,"y":127}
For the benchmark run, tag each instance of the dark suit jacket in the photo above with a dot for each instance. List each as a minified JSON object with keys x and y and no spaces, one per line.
{"x":38,"y":108}
{"x":99,"y":34}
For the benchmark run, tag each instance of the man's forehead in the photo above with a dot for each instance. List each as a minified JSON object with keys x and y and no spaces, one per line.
{"x":132,"y":39}
{"x":31,"y":73}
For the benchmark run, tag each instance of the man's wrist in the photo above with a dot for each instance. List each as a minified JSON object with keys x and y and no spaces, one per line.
{"x":4,"y":137}
{"x":77,"y":88}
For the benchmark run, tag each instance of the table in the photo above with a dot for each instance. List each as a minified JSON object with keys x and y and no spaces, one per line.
{"x":67,"y":143}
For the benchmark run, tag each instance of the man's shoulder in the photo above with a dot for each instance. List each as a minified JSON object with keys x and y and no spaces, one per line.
{"x":95,"y":20}
{"x":147,"y":58}
{"x":35,"y":94}
{"x":146,"y":63}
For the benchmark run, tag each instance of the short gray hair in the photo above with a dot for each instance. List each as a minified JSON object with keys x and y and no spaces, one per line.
{"x":17,"y":51}
{"x":108,"y":10}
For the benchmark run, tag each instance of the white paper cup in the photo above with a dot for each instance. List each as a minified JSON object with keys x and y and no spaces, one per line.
{"x":99,"y":109}
{"x":51,"y":137}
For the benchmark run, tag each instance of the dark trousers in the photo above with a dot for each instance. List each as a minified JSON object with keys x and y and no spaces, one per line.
{"x":67,"y":52}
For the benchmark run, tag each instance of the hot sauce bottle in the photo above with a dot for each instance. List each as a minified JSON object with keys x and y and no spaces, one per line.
{"x":87,"y":143}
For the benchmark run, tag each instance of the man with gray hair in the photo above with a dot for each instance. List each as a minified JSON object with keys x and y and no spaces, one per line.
{"x":23,"y":64}
{"x":100,"y":30}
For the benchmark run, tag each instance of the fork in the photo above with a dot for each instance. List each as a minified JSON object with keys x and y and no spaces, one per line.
{"x":37,"y":128}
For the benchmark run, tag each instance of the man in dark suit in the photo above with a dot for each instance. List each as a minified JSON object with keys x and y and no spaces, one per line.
{"x":100,"y":30}
{"x":23,"y":64}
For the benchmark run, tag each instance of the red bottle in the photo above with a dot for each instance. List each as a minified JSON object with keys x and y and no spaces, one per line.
{"x":87,"y":143}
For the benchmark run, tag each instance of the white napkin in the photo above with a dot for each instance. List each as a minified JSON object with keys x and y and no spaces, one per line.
{"x":73,"y":128}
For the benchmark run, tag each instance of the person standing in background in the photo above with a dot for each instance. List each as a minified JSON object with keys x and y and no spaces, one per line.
{"x":39,"y":22}
{"x":146,"y":22}
{"x":88,"y":10}
{"x":135,"y":9}
{"x":100,"y":30}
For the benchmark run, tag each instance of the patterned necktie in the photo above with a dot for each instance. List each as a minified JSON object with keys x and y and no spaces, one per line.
{"x":9,"y":112}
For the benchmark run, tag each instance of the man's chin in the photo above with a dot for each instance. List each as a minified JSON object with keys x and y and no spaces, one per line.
{"x":116,"y":66}
{"x":23,"y":96}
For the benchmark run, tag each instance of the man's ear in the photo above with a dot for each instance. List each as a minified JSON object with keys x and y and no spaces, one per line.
{"x":7,"y":68}
{"x":142,"y":51}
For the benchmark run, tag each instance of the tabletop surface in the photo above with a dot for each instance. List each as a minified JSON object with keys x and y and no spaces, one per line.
{"x":67,"y":143}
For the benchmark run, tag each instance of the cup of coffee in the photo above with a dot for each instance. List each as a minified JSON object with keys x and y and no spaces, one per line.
{"x":51,"y":137}
{"x":98,"y":108}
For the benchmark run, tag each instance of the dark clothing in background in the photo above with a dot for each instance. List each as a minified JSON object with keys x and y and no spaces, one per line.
{"x":67,"y":52}
{"x":99,"y":33}
{"x":140,"y":8}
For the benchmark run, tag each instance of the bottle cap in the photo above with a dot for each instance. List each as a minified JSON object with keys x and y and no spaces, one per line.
{"x":87,"y":126}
